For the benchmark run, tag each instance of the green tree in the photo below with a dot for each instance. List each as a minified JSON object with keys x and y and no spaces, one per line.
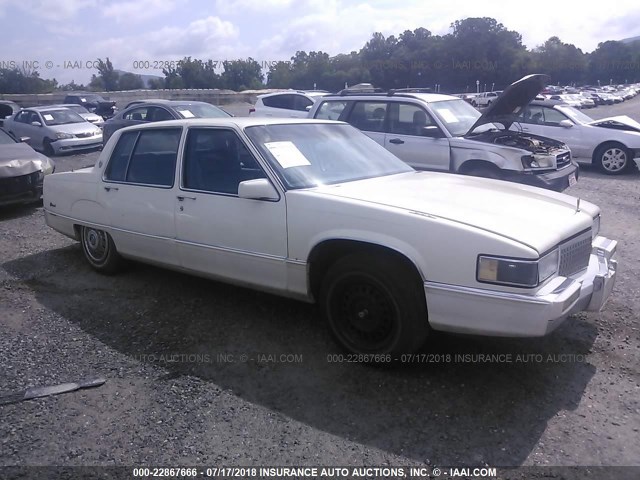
{"x":242,"y":74}
{"x":107,"y":77}
{"x":130,"y":81}
{"x":563,"y":62}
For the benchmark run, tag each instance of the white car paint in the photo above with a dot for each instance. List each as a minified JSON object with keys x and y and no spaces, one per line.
{"x":439,"y":222}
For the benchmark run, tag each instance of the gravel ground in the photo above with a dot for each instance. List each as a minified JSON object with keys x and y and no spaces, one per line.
{"x":174,"y":395}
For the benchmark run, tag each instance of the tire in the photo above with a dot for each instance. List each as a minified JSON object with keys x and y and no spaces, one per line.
{"x":100,"y":251}
{"x":613,"y":158}
{"x":374,"y":304}
{"x":48,"y":148}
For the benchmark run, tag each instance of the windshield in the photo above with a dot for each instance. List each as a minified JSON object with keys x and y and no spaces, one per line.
{"x":200,"y":110}
{"x":458,"y":116}
{"x":575,"y":114}
{"x":60,"y":117}
{"x":312,"y":154}
{"x":5,"y":138}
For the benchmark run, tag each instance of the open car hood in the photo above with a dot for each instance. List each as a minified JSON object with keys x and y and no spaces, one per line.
{"x":621,"y":122}
{"x":512,"y":99}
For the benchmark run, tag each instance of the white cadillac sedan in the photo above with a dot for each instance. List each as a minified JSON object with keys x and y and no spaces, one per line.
{"x":316,"y":210}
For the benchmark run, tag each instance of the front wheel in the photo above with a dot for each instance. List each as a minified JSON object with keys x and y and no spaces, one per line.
{"x":613,"y":159}
{"x":99,"y":250}
{"x":375,"y":304}
{"x":48,"y":148}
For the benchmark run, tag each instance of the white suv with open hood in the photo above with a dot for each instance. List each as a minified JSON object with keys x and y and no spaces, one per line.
{"x":442,"y":132}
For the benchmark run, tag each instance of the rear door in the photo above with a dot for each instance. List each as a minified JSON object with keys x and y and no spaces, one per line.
{"x":137,"y":190}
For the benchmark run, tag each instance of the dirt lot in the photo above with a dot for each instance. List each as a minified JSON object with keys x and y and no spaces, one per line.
{"x":174,"y":395}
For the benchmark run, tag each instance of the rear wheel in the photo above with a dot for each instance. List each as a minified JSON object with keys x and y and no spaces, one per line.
{"x":375,"y":305}
{"x":613,"y":158}
{"x":484,"y":172}
{"x":99,"y":250}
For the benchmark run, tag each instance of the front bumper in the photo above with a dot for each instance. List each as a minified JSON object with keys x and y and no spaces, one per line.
{"x":557,"y":180}
{"x":489,"y":312}
{"x":21,"y":189}
{"x":73,"y":144}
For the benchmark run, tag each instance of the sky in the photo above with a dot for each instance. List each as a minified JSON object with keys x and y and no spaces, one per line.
{"x":62,"y":38}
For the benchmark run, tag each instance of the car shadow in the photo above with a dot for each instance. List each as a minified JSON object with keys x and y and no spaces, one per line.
{"x":464,"y":401}
{"x":11,"y":212}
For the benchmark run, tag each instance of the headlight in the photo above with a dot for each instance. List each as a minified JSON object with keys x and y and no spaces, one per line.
{"x":517,"y":273}
{"x":529,"y":161}
{"x":62,"y":135}
{"x":595,"y":228}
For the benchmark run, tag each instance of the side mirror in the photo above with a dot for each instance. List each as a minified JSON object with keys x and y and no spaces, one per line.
{"x":432,"y":131}
{"x":258,"y":189}
{"x":36,"y":124}
{"x":24,"y":139}
{"x":566,"y":123}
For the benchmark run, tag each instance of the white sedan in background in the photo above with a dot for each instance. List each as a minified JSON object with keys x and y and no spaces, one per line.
{"x":316,"y":210}
{"x":611,"y":143}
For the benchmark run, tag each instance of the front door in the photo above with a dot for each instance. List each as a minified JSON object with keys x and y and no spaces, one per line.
{"x":218,"y":233}
{"x":406,"y":138}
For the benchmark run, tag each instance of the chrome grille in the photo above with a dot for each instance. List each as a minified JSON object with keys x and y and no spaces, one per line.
{"x":84,"y":134}
{"x":574,"y":254}
{"x":563,"y":159}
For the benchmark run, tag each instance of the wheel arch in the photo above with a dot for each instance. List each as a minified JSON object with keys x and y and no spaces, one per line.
{"x":603,"y":144}
{"x":327,"y":252}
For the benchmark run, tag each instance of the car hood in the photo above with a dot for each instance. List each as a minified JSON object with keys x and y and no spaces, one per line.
{"x":621,"y":122}
{"x":532,"y":216}
{"x":75,"y":128}
{"x":20,"y":159}
{"x":513,"y":98}
{"x":90,"y":117}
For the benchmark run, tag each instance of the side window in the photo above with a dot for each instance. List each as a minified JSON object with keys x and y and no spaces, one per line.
{"x":23,"y":116}
{"x":157,"y":114}
{"x":301,"y":103}
{"x":139,"y":114}
{"x":117,"y":168}
{"x":553,"y":117}
{"x":368,"y":116}
{"x":330,"y":110}
{"x":216,"y":161}
{"x":34,"y":117}
{"x":409,"y":120}
{"x":154,"y":157}
{"x":533,"y":114}
{"x":279,"y":101}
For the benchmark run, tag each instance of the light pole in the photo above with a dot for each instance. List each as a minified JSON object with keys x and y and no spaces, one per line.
{"x":477,"y":86}
{"x":492,"y":86}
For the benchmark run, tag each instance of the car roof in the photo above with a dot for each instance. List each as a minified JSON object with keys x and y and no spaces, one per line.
{"x":426,"y":97}
{"x":161,"y":101}
{"x":240,"y":122}
{"x":65,"y":105}
{"x":44,"y":108}
{"x":548,"y":103}
{"x":310,"y":93}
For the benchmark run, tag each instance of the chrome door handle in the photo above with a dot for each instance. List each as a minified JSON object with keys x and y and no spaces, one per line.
{"x":396,"y":141}
{"x":183,"y":197}
{"x":110,"y":188}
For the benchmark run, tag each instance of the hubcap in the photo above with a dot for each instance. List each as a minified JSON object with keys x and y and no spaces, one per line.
{"x":364,"y":314}
{"x":614,"y":159}
{"x":96,"y":245}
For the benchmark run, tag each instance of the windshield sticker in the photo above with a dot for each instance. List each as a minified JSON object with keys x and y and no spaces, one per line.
{"x":186,"y":113}
{"x":447,"y":115}
{"x":47,"y":116}
{"x":83,"y":99}
{"x":287,"y":154}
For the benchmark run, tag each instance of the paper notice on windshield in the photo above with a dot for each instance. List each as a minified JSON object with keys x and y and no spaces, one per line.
{"x":447,"y":115}
{"x":83,"y":100}
{"x":48,"y":117}
{"x":287,"y":154}
{"x":186,"y":113}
